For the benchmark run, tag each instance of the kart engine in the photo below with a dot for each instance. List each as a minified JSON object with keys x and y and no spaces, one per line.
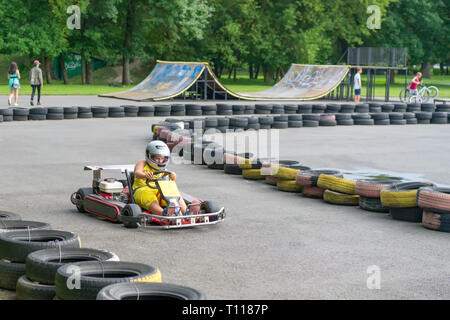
{"x":114,"y":188}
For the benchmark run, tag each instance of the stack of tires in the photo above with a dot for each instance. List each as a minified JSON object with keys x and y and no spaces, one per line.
{"x":327,"y":120}
{"x":283,"y":174}
{"x":295,"y":121}
{"x":396,"y":118}
{"x":209,"y":110}
{"x":318,"y":108}
{"x":439,"y":117}
{"x":369,"y":193}
{"x":290,"y":108}
{"x":99,"y":112}
{"x":263,"y":108}
{"x":280,"y":122}
{"x":424,"y":117}
{"x":308,"y":181}
{"x":278,"y":109}
{"x":70,"y":113}
{"x":20,"y":114}
{"x":338,"y":190}
{"x":401,"y":199}
{"x":55,"y":113}
{"x":162,"y":110}
{"x":304,"y":108}
{"x":146,"y":111}
{"x":265,"y":122}
{"x":193,"y":110}
{"x":362,"y":119}
{"x":116,"y":112}
{"x":435,"y":202}
{"x":311,"y":120}
{"x":7,"y":115}
{"x":238,"y":109}
{"x":224,"y":109}
{"x":381,"y":119}
{"x":443,"y":108}
{"x":38,"y":114}
{"x":178,"y":110}
{"x":344,"y":119}
{"x":85,"y":113}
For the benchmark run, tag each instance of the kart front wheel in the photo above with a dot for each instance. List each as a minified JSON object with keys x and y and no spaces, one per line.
{"x":211,"y":207}
{"x":131,"y":214}
{"x":78,"y":198}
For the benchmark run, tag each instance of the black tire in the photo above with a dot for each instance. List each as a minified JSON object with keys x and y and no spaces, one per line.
{"x":85,"y":115}
{"x":99,"y":109}
{"x":347,"y":108}
{"x":94,"y":276}
{"x":395,"y":116}
{"x":162,"y":113}
{"x":194,"y":112}
{"x":413,"y":214}
{"x":130,"y":215}
{"x":412,"y":121}
{"x":424,"y":121}
{"x":162,"y":108}
{"x":146,"y":114}
{"x":439,"y":120}
{"x":21,"y":112}
{"x":100,"y":114}
{"x":310,"y":123}
{"x":178,"y":108}
{"x":332,"y":108}
{"x":364,"y":122}
{"x":70,"y":116}
{"x":399,"y":107}
{"x":16,"y":245}
{"x":19,"y":225}
{"x":375,"y":109}
{"x":327,"y":123}
{"x":295,"y":124}
{"x":211,"y":122}
{"x":80,"y":195}
{"x":347,"y":122}
{"x":130,"y":109}
{"x":398,"y":122}
{"x":146,"y":109}
{"x":267,"y":120}
{"x":30,"y":290}
{"x":10,"y":272}
{"x":41,"y":266}
{"x":149,"y":291}
{"x":379,"y":116}
{"x":311,"y":117}
{"x":20,"y":118}
{"x":253,"y":126}
{"x":343,"y":116}
{"x":38,"y":110}
{"x":427,"y":107}
{"x":424,"y":115}
{"x":5,"y":215}
{"x":55,"y":116}
{"x":361,"y":116}
{"x":280,"y":125}
{"x":304,"y":108}
{"x":178,"y":113}
{"x":295,"y":117}
{"x":362,"y":108}
{"x":209,"y":108}
{"x":8,"y":118}
{"x":385,"y":122}
{"x":372,"y":204}
{"x":387,"y":108}
{"x":232,"y":169}
{"x":318,"y":108}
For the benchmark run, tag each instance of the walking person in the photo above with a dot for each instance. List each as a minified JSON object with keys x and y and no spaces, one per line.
{"x":414,"y":83}
{"x":36,"y":82}
{"x":14,"y":83}
{"x":357,"y":85}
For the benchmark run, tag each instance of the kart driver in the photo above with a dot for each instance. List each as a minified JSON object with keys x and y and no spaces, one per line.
{"x":157,"y":156}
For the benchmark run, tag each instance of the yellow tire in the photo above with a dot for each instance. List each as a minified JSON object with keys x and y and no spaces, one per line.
{"x":283,"y":173}
{"x":340,"y":198}
{"x":252,"y":174}
{"x":288,"y":186}
{"x":336,"y":184}
{"x":401,"y":195}
{"x":244,"y":163}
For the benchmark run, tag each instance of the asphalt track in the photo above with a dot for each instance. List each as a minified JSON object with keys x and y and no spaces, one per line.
{"x":273,"y":245}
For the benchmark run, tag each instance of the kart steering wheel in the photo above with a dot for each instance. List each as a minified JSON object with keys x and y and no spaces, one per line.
{"x":164,"y":172}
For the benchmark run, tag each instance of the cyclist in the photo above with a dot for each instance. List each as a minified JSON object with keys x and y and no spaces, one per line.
{"x":413,"y":86}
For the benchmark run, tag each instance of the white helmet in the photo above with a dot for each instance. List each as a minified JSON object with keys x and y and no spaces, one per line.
{"x":157,"y":148}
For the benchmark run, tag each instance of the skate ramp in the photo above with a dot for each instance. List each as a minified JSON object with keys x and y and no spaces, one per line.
{"x":171,"y":79}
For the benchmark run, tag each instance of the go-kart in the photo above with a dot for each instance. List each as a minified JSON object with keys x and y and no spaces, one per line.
{"x":113,"y":200}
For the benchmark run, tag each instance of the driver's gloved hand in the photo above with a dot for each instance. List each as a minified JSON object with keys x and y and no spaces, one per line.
{"x":164,"y":213}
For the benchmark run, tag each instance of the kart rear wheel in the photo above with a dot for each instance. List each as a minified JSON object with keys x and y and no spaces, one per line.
{"x":132,"y":211}
{"x":211,"y":207}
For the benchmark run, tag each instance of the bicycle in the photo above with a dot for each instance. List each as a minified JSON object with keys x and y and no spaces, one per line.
{"x":423,"y":95}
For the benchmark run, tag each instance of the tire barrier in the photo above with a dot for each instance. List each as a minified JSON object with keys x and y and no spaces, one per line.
{"x":372,"y":204}
{"x":252,"y":174}
{"x":308,"y":178}
{"x":370,"y":188}
{"x":313,"y":192}
{"x":94,"y":276}
{"x":148,"y":291}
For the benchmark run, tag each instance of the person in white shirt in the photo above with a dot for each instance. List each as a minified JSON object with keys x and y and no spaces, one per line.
{"x":357,"y":85}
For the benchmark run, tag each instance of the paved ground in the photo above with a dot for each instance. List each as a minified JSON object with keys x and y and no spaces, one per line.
{"x":273,"y":245}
